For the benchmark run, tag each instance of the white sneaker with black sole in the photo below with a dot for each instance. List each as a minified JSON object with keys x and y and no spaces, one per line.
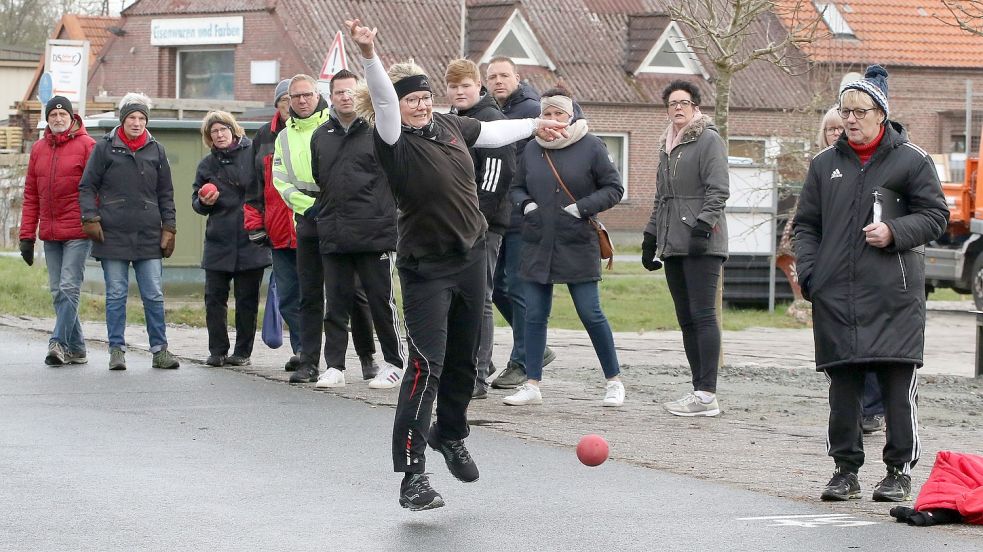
{"x":332,"y":377}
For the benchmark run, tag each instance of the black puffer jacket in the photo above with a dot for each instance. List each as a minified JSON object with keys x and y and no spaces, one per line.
{"x":556,"y":246}
{"x":227,"y":245}
{"x":355,"y":210}
{"x":868,"y":302}
{"x":493,"y":168}
{"x":133,"y":195}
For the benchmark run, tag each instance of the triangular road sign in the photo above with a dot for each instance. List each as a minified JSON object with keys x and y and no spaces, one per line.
{"x":336,"y":59}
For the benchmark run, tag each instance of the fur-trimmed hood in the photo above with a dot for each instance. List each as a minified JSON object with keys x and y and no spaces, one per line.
{"x":691,"y":131}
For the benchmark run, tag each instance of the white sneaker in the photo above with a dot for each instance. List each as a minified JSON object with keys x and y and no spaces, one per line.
{"x":691,"y":405}
{"x":389,"y":376}
{"x":614,"y":394}
{"x":527,"y":393}
{"x":332,"y":377}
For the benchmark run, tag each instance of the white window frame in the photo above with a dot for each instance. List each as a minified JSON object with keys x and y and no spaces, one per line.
{"x":691,"y":64}
{"x":625,"y":162}
{"x":177,"y":67}
{"x":834,"y":20}
{"x":518,"y":25}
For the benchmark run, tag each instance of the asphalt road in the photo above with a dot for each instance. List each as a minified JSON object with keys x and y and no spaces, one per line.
{"x":209,"y":459}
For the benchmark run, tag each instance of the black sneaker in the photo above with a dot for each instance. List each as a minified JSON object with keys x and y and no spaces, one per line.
{"x":480,"y":391}
{"x":293,"y":364}
{"x":513,"y":376}
{"x":369,"y":367}
{"x":456,"y":456}
{"x":238,"y":360}
{"x":872,"y":424}
{"x":843,"y":486}
{"x":215,"y":360}
{"x":548,"y":357}
{"x":895,"y":487}
{"x":416,"y":493}
{"x":491,"y":369}
{"x":307,"y":373}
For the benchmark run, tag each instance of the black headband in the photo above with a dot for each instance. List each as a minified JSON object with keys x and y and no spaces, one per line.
{"x":408,"y":85}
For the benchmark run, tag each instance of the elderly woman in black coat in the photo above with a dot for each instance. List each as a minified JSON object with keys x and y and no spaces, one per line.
{"x":220,"y":187}
{"x":860,"y":261}
{"x":559,"y":245}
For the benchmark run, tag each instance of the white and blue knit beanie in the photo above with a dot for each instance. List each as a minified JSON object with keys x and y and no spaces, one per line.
{"x":874,"y":84}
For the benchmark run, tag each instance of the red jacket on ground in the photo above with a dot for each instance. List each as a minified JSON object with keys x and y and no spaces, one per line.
{"x":264,"y":208}
{"x":956,"y":483}
{"x":51,"y":191}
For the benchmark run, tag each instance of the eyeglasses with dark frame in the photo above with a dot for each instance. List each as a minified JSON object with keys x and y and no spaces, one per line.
{"x":304,"y":95}
{"x":858,"y":113}
{"x":679,"y":103}
{"x":415,"y":102}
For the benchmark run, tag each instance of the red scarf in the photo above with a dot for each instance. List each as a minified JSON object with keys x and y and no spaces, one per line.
{"x":865,"y":152}
{"x":134,"y":144}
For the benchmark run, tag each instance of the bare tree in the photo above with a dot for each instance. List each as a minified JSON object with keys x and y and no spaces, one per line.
{"x":28,"y":23}
{"x":968,"y":15}
{"x":724,"y":30}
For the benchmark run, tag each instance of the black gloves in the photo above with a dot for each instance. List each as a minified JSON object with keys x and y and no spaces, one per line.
{"x":699,"y":238}
{"x":925,"y":518}
{"x":259,"y":236}
{"x":649,"y":246}
{"x":27,"y":251}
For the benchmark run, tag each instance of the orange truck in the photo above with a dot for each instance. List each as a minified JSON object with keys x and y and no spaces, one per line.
{"x":956,"y":259}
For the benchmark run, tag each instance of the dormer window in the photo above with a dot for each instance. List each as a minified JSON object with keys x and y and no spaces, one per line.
{"x":671,"y":54}
{"x":834,"y":20}
{"x":516,"y":41}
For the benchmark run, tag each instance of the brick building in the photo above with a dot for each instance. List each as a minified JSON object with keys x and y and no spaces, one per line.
{"x":614,"y":55}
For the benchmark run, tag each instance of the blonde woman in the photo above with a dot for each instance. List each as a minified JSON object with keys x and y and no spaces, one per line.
{"x":221,"y":182}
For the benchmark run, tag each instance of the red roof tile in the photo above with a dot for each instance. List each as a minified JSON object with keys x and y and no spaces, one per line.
{"x":178,"y":7}
{"x":898,"y":32}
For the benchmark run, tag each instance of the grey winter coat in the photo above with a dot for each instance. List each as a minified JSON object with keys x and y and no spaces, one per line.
{"x":868,"y":303}
{"x":227,"y":245}
{"x":556,"y":246}
{"x":132,"y":194}
{"x":692,"y":184}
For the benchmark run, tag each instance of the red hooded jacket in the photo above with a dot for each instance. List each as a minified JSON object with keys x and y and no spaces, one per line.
{"x":956,"y":483}
{"x":51,"y":191}
{"x":264,"y":208}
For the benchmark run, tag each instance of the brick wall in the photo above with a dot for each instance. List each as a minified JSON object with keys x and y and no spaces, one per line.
{"x":129,"y":63}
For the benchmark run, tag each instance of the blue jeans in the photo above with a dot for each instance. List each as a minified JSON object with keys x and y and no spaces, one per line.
{"x":149,"y":274}
{"x":513,"y":305}
{"x":288,"y":291}
{"x":66,"y":267}
{"x":587,"y":301}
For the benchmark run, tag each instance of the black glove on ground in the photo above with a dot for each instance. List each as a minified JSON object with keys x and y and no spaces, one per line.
{"x":649,"y":247}
{"x":699,"y":238}
{"x":27,"y":251}
{"x":927,"y":518}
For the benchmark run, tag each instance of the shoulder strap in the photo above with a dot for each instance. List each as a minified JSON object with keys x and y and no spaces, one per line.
{"x":557,"y":175}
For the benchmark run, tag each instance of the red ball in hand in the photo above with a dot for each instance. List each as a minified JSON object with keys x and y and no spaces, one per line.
{"x":207,"y":189}
{"x":592,"y":450}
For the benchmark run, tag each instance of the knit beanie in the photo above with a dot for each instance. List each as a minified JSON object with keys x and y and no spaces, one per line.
{"x":874,"y":84}
{"x":58,"y":102}
{"x":282,"y":89}
{"x":132,"y":107}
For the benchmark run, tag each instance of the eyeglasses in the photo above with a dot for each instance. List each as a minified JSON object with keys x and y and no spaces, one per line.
{"x":415,"y":102}
{"x":676,"y":104}
{"x":835,"y":130}
{"x":302,"y":95}
{"x":858,"y":113}
{"x":220,"y":130}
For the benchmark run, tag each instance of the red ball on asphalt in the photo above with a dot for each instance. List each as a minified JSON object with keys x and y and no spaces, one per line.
{"x":592,"y":450}
{"x":207,"y":189}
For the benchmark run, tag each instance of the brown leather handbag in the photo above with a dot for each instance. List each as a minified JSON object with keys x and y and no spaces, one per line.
{"x":603,"y":238}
